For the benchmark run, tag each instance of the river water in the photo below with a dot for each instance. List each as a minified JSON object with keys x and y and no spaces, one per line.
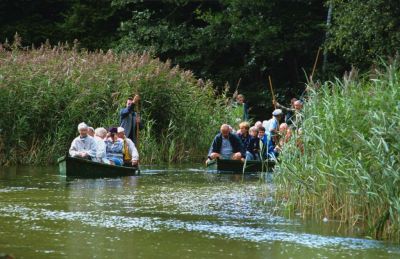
{"x":163,"y":213}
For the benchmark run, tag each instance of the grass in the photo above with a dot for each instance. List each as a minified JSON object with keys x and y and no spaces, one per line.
{"x":45,"y":92}
{"x":350,"y":169}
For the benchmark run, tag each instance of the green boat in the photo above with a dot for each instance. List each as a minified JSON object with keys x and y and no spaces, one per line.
{"x":78,"y":167}
{"x":236,"y":166}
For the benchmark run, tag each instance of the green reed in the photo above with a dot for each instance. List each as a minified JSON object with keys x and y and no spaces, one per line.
{"x":350,"y":169}
{"x":45,"y":92}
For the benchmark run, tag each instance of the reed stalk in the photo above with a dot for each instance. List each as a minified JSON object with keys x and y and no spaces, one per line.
{"x":350,"y":169}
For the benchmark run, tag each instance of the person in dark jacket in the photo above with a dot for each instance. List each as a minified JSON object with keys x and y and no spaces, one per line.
{"x":253,"y":149}
{"x":226,"y":146}
{"x":129,"y":119}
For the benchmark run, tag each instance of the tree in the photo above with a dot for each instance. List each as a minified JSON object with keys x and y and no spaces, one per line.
{"x":364,"y":30}
{"x":227,"y":40}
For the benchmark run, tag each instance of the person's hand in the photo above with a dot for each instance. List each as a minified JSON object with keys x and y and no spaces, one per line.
{"x":138,"y":118}
{"x":136,"y":98}
{"x":135,"y":162}
{"x":214,"y":155}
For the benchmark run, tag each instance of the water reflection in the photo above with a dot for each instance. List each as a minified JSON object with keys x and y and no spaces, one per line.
{"x":160,"y":214}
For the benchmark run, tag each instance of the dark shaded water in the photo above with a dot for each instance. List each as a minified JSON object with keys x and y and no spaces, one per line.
{"x":168,"y":213}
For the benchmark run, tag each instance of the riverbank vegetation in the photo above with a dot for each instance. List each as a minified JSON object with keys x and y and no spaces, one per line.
{"x":350,"y":168}
{"x":46,"y":92}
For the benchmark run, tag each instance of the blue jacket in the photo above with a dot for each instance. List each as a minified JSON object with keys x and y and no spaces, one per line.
{"x":128,"y":122}
{"x":254,"y":145}
{"x":235,"y":141}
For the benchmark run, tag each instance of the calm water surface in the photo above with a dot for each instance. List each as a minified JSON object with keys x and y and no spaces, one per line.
{"x":165,"y":213}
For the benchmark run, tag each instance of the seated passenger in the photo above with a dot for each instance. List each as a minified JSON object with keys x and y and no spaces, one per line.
{"x":91,"y":132}
{"x":83,"y":146}
{"x":266,"y":144}
{"x":247,"y":140}
{"x":131,"y":155}
{"x":243,"y":133}
{"x":258,"y":124}
{"x":284,"y":135}
{"x":114,"y":148}
{"x":226,"y":146}
{"x":99,"y":137}
{"x":253,"y":149}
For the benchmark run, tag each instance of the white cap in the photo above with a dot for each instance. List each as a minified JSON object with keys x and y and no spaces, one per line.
{"x":82,"y":125}
{"x":120,"y":129}
{"x":277,"y":112}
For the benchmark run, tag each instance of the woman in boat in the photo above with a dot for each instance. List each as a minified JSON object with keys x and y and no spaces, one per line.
{"x":248,"y":141}
{"x":99,"y":137}
{"x":114,"y":148}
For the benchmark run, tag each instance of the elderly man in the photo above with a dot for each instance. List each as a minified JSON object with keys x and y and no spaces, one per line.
{"x":226,"y":145}
{"x":83,"y":146}
{"x":297,"y":119}
{"x":99,"y":137}
{"x":129,"y":119}
{"x":131,"y":155}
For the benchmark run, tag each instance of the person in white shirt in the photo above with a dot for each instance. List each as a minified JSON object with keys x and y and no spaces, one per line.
{"x":83,"y":146}
{"x":99,"y":137}
{"x":131,"y":155}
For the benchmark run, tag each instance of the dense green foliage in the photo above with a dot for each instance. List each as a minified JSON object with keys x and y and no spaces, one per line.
{"x":350,"y":169}
{"x":364,"y":30}
{"x":46,"y":92}
{"x":228,"y":40}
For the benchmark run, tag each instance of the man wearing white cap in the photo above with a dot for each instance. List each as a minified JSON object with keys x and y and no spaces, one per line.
{"x":271,"y":132}
{"x":131,"y":155}
{"x":274,"y":123}
{"x":83,"y":146}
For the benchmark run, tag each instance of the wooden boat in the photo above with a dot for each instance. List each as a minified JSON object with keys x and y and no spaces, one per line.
{"x":236,"y":166}
{"x":78,"y":167}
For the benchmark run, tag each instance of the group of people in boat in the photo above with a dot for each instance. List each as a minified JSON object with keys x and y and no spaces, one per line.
{"x":264,"y":140}
{"x":115,"y":146}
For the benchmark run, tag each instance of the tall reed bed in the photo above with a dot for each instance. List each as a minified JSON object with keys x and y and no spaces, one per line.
{"x":45,"y":92}
{"x":350,"y":169}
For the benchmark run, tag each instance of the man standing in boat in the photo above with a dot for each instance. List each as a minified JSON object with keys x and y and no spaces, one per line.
{"x":226,"y":146}
{"x":129,"y":119}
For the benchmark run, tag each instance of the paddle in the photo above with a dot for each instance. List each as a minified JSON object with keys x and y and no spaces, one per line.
{"x":272,"y":92}
{"x":315,"y":64}
{"x":137,"y":130}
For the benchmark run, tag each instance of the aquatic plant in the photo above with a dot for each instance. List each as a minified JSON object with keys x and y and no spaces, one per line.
{"x":350,"y":168}
{"x":45,"y":92}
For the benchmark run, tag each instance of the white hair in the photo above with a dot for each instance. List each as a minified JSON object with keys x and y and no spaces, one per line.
{"x":100,"y":132}
{"x":82,"y":126}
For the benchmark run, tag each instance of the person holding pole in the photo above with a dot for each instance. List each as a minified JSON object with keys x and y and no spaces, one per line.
{"x":130,"y":120}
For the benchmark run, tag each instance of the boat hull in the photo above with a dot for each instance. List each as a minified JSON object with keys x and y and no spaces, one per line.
{"x":78,"y":167}
{"x":236,"y":166}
